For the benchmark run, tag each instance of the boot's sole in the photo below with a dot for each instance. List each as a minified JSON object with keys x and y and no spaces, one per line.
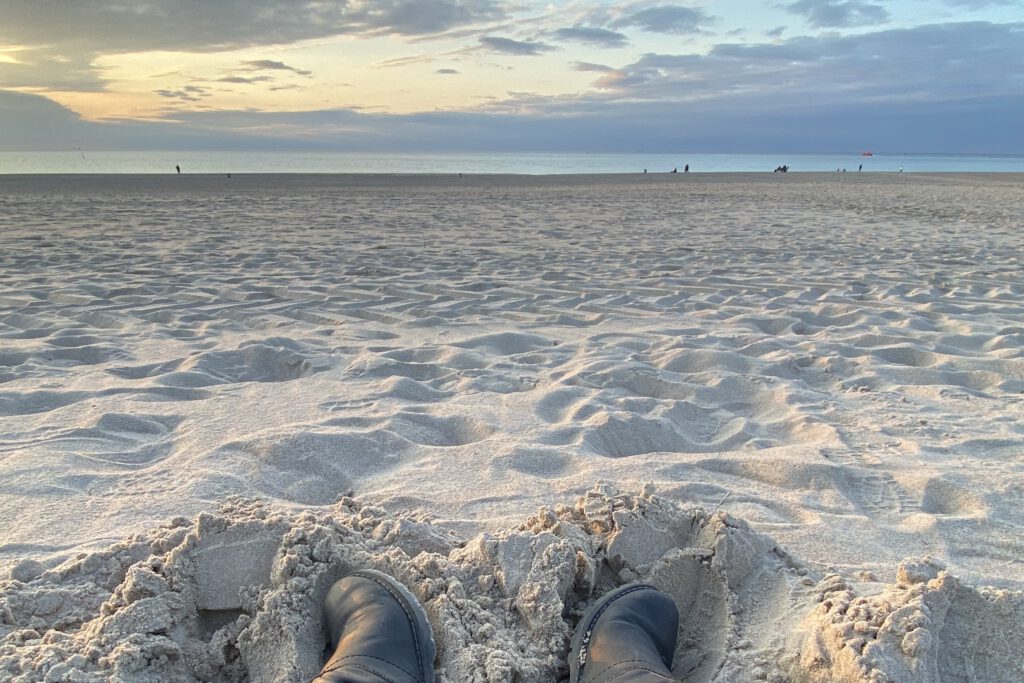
{"x":581,"y":637}
{"x":423,"y":635}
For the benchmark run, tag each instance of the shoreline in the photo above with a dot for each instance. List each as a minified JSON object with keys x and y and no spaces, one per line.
{"x":718,"y":175}
{"x":162,"y":182}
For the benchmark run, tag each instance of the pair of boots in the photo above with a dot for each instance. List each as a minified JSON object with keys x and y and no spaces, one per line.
{"x":380,"y":634}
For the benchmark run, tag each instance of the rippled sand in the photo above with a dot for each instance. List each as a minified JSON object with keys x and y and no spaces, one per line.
{"x":836,"y":360}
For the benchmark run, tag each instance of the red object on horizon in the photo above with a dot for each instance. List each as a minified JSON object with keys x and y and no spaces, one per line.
{"x":866,"y":154}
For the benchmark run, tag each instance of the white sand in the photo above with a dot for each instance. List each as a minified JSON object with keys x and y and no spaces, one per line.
{"x":831,"y":367}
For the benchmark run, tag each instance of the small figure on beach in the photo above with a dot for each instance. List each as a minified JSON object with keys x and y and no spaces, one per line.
{"x":645,"y":171}
{"x":781,"y":169}
{"x":177,"y":167}
{"x":675,"y":170}
{"x":686,"y":168}
{"x":901,"y":169}
{"x":378,"y":631}
{"x":860,"y":167}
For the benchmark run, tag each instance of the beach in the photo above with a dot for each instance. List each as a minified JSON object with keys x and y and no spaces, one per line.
{"x":794,"y":401}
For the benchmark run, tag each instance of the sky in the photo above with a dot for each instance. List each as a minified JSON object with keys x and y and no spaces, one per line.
{"x":513,"y":75}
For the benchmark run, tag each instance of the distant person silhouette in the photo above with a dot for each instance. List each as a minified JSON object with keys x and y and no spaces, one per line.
{"x":675,"y":170}
{"x":860,"y":168}
{"x":686,"y":169}
{"x":177,"y":168}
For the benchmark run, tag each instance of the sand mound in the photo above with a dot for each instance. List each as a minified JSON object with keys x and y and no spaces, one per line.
{"x":236,"y":596}
{"x":927,"y":627}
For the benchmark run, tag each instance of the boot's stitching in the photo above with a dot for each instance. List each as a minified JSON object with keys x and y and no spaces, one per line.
{"x":338,"y":662}
{"x":608,"y":668}
{"x":361,"y":667}
{"x":585,"y":642}
{"x":413,"y":623}
{"x":641,"y":668}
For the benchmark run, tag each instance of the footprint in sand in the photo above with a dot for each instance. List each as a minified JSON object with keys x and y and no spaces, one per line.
{"x":30,"y":402}
{"x":434,"y":430}
{"x":134,"y":440}
{"x":276,"y":359}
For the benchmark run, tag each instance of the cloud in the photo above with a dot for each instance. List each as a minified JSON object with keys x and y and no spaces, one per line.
{"x":51,"y":69}
{"x":62,"y":40}
{"x":590,"y":66}
{"x":598,"y":37}
{"x":21,"y":111}
{"x":942,"y":87}
{"x":34,"y":123}
{"x":750,"y":123}
{"x":514,"y":47}
{"x":922,"y":64}
{"x":980,"y":4}
{"x":839,"y":13}
{"x":418,"y":17}
{"x":665,"y":19}
{"x":113,"y":26}
{"x":244,"y":79}
{"x":271,"y":65}
{"x":538,"y":123}
{"x":776,"y":32}
{"x":446,"y":72}
{"x":189,"y":93}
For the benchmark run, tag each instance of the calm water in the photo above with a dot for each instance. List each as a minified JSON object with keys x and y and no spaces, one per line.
{"x":73,"y":161}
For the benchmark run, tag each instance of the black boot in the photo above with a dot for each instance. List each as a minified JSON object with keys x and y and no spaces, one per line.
{"x":628,"y":635}
{"x":378,"y":631}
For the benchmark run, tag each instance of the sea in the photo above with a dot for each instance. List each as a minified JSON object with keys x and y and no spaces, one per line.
{"x":530,"y":163}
